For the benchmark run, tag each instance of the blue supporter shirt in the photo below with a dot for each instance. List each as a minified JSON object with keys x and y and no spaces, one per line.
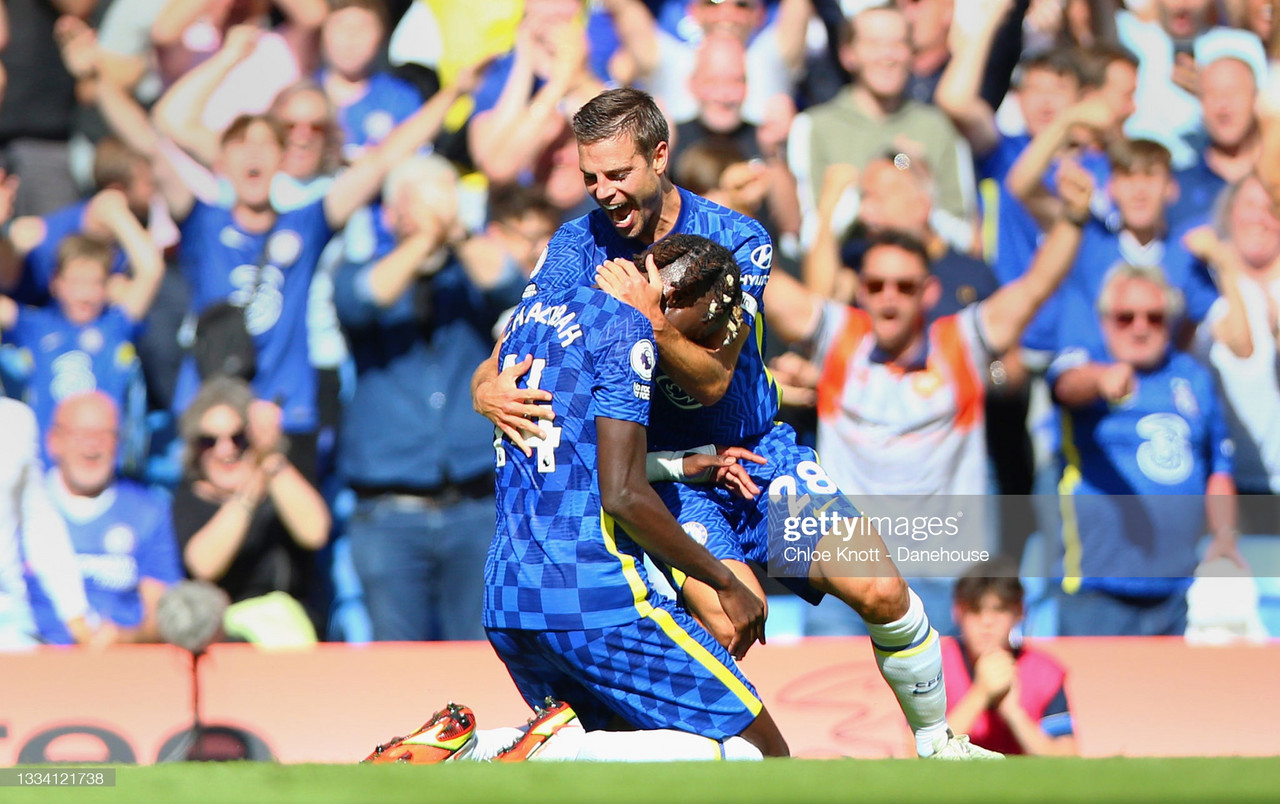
{"x":62,"y":358}
{"x":127,"y":536}
{"x":387,"y":102}
{"x":749,"y":407}
{"x":1135,"y":479}
{"x":221,"y":261}
{"x":557,"y":561}
{"x":410,"y":423}
{"x":1075,"y":315}
{"x":42,"y":261}
{"x":1198,"y":189}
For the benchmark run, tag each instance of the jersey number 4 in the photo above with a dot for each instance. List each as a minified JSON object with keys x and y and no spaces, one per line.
{"x":544,"y":448}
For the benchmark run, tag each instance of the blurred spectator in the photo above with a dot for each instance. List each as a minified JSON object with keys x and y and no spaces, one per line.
{"x":188,"y":32}
{"x":894,"y":191}
{"x":122,"y":532}
{"x":521,"y":221}
{"x":930,"y":22}
{"x":519,"y":131}
{"x":1048,"y":82}
{"x":664,"y":66}
{"x":31,"y":532}
{"x":39,"y":102}
{"x":370,"y":102}
{"x":1240,"y":339}
{"x":715,"y":169}
{"x":245,"y":517}
{"x":1228,"y":92}
{"x":120,"y":174}
{"x":719,"y":87}
{"x":262,"y":258}
{"x":126,"y":50}
{"x":1140,"y":189}
{"x":419,"y":319}
{"x":1081,"y":132}
{"x":875,"y":115}
{"x":1173,"y":54}
{"x":1147,"y":462}
{"x":1006,"y":697}
{"x":84,"y":340}
{"x":900,"y":403}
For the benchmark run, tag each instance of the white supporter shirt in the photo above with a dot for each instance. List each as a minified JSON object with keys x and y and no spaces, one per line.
{"x":27,"y":513}
{"x":886,"y":430}
{"x":1250,"y":388}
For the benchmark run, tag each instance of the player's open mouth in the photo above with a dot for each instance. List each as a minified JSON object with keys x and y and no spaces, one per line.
{"x":622,"y":214}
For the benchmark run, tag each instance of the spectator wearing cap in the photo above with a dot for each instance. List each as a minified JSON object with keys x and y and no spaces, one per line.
{"x":1175,"y":46}
{"x":1229,"y":80}
{"x":1147,"y":465}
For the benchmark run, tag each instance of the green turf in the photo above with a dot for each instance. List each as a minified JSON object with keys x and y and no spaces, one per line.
{"x":1141,"y":781}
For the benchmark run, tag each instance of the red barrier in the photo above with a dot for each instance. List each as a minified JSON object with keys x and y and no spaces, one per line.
{"x":332,"y":704}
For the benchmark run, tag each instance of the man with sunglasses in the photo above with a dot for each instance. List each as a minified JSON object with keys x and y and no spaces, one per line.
{"x":1148,"y":462}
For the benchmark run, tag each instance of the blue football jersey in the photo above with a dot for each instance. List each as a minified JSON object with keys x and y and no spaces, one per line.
{"x":1136,"y":474}
{"x":1076,"y":318}
{"x":62,"y":358}
{"x":750,"y":405}
{"x":221,"y":263}
{"x":127,"y":537}
{"x":556,"y":561}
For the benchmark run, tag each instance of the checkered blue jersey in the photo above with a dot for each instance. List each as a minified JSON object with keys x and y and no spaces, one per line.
{"x":555,"y":562}
{"x":749,"y":407}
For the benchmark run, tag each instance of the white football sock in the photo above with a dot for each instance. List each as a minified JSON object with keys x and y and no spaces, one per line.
{"x":491,"y":742}
{"x":910,"y":659}
{"x":652,"y":745}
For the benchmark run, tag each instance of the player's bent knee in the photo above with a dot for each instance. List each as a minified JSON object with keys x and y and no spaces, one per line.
{"x":876,"y":600}
{"x":763,"y":733}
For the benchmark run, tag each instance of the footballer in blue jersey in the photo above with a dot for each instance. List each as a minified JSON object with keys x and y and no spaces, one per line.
{"x":121,"y":531}
{"x":1144,"y":442}
{"x":568,"y":607}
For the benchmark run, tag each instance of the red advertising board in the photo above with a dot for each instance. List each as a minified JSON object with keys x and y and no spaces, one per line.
{"x":1153,"y":697}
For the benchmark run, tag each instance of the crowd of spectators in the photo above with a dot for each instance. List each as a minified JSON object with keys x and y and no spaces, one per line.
{"x":252,"y":250}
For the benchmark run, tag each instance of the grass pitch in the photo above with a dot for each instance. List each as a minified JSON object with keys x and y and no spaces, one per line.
{"x":1141,"y":781}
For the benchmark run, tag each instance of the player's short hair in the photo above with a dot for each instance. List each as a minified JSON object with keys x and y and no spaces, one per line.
{"x":239,"y":128}
{"x":512,"y":203}
{"x":1060,"y":61}
{"x":622,"y":111}
{"x":377,"y":8}
{"x":1094,"y":60}
{"x":114,"y":163}
{"x":1135,"y":156}
{"x":896,"y":238}
{"x":78,"y":246}
{"x":998,"y":576}
{"x":233,"y":392}
{"x":1124,"y":272}
{"x":703,"y":163}
{"x":693,"y":267}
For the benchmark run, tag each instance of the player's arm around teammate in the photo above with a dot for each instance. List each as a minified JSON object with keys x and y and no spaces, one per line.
{"x":702,"y":371}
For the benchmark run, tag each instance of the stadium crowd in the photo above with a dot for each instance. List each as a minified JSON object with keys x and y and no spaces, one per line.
{"x":251,"y":253}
